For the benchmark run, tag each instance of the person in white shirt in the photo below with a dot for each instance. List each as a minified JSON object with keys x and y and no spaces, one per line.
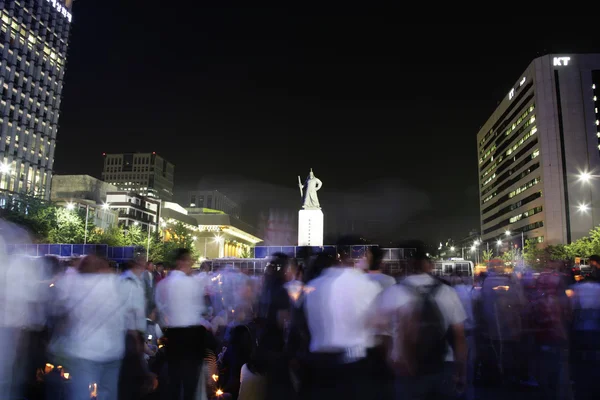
{"x":134,"y":368}
{"x":374,"y":261}
{"x":94,"y":344}
{"x":180,"y":303}
{"x":338,"y":306}
{"x":399,"y":304}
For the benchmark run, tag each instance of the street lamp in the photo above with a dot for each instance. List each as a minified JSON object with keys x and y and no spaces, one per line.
{"x":452,"y":248}
{"x":583,"y":207}
{"x":585,"y":177}
{"x":70,"y":206}
{"x":499,"y":242}
{"x":105,"y":206}
{"x":507,"y":233}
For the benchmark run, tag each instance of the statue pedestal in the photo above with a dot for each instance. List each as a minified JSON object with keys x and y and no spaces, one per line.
{"x":310,"y":228}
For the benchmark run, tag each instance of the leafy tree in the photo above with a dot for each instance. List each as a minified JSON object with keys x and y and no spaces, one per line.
{"x":68,"y":227}
{"x":135,"y":236}
{"x":487,"y":255}
{"x":113,"y":236}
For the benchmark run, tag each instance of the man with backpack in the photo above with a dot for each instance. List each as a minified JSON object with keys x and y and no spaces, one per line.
{"x":428,"y":347}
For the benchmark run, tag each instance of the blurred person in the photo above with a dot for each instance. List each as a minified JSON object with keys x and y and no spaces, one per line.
{"x":19,"y":298}
{"x":160,"y":273}
{"x":503,"y":304}
{"x":551,"y":315}
{"x":586,"y":331}
{"x":148,"y":279}
{"x":134,"y":377}
{"x":375,"y":264}
{"x":94,"y":344}
{"x":594,"y":262}
{"x":425,"y":313}
{"x":180,"y":302}
{"x":338,"y":307}
{"x":293,"y":284}
{"x":274,"y":314}
{"x":463,"y":285}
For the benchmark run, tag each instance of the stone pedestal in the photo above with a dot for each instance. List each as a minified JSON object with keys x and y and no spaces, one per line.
{"x":310,"y":228}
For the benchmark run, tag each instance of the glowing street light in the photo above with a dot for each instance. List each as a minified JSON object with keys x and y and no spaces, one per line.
{"x":70,"y":206}
{"x":105,"y":206}
{"x":476,"y":243}
{"x":583,"y":207}
{"x":507,"y":233}
{"x":473,"y":248}
{"x":194,"y":238}
{"x":585,"y":177}
{"x":499,"y":242}
{"x":452,"y":248}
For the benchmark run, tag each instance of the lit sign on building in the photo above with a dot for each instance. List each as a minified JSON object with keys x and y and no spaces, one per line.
{"x":61,"y":9}
{"x":512,"y":92}
{"x":560,"y":61}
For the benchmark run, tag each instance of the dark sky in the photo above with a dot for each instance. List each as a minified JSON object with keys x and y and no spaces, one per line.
{"x":245,"y":100}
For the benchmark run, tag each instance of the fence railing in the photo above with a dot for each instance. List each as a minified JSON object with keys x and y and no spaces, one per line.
{"x":72,"y":250}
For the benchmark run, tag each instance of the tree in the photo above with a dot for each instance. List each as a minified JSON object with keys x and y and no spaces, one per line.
{"x":68,"y":227}
{"x":135,"y":236}
{"x":487,"y":255}
{"x":113,"y":236}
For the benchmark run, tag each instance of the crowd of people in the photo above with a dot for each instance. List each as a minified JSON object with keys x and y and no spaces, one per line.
{"x":318,"y":328}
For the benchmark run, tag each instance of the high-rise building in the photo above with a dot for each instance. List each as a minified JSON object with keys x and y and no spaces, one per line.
{"x":34,"y":36}
{"x":147,"y":174}
{"x":539,"y":154}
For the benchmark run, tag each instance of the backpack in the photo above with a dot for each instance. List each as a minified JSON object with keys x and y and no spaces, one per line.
{"x":421,"y":333}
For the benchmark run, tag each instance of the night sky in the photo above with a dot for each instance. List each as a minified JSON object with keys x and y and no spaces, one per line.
{"x":245,"y":100}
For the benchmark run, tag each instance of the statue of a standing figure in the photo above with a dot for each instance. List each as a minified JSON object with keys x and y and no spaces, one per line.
{"x":309,"y":191}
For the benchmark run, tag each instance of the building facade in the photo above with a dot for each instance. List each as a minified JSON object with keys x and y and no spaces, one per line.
{"x":214,"y":200}
{"x":85,"y":192}
{"x":539,"y":154}
{"x":135,"y":209}
{"x":147,"y":174}
{"x":215,"y":234}
{"x":34,"y":37}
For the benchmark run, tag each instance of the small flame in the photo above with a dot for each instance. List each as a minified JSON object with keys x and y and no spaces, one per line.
{"x":569,"y":292}
{"x":49,"y":367}
{"x":66,"y":375}
{"x":219,"y":392}
{"x":215,"y":377}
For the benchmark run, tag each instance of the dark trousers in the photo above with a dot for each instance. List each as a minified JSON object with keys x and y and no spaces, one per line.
{"x":327,"y":379}
{"x":134,"y":374}
{"x":185,"y":352}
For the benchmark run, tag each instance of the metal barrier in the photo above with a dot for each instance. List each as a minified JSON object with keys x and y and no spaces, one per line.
{"x":118,"y":254}
{"x":359,"y":251}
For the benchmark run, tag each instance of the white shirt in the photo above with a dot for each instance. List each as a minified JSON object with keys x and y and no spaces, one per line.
{"x":95,"y":316}
{"x":446,"y":298}
{"x":337,"y":306}
{"x":252,"y":387}
{"x":180,"y":300}
{"x":382,"y":279}
{"x":132,"y":290}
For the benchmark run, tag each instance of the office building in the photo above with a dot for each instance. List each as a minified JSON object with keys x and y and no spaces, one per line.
{"x":135,"y":209}
{"x":214,"y":200}
{"x":539,"y":154}
{"x":34,"y":36}
{"x":86,"y":193}
{"x":147,"y":174}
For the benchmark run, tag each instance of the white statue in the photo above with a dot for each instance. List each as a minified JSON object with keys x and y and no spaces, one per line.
{"x":309,"y":191}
